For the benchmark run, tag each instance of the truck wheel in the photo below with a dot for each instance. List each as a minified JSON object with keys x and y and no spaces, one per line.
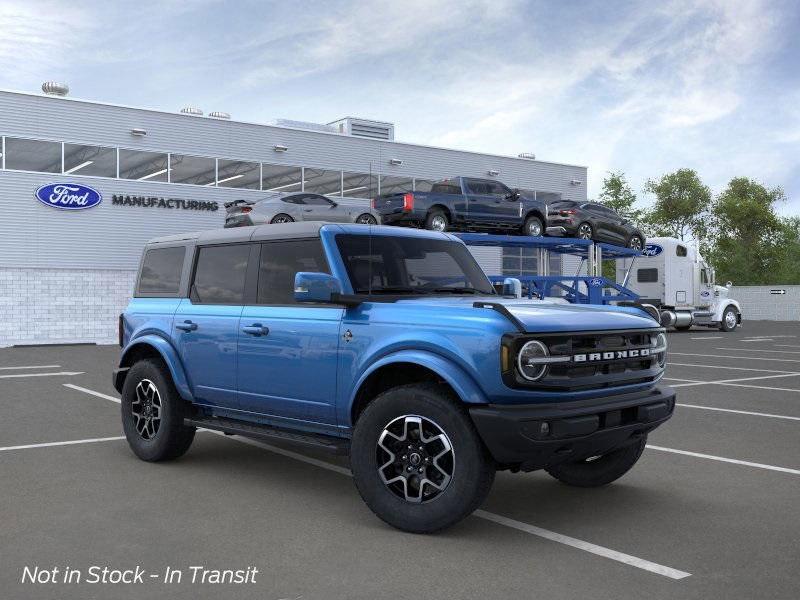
{"x":533,"y":227}
{"x":152,"y":413}
{"x":729,"y":319}
{"x":282,"y":218}
{"x":599,"y":470}
{"x":436,"y":220}
{"x":417,"y":460}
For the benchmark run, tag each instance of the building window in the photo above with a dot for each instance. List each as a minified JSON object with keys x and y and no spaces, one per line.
{"x":396,"y":185}
{"x":33,"y":155}
{"x":279,"y":178}
{"x":90,"y":160}
{"x":238,"y":174}
{"x":359,"y":185}
{"x":143,"y":166}
{"x":321,"y":181}
{"x":195,"y":170}
{"x":423,"y":185}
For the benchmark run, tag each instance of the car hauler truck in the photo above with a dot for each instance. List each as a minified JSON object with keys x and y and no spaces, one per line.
{"x":672,"y":276}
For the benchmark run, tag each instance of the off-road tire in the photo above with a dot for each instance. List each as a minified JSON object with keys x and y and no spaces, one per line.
{"x":473,"y":468}
{"x":602,"y":470}
{"x":436,"y":216}
{"x":172,"y":438}
{"x":531,"y":223}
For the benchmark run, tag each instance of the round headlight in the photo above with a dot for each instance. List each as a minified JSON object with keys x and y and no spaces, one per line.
{"x":659,"y":344}
{"x":529,"y":361}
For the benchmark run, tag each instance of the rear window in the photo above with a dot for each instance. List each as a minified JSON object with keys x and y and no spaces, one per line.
{"x":647,"y":275}
{"x":219,"y":275}
{"x":161,"y":271}
{"x":446,"y":187}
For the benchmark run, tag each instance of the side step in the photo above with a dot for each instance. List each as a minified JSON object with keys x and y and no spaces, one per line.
{"x":329,"y":443}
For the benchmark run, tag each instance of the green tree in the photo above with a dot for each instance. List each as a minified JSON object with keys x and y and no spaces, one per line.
{"x":751,"y":244}
{"x":681,"y":206}
{"x":618,"y":195}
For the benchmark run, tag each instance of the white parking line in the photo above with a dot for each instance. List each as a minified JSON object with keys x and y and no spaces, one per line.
{"x":627,"y":559}
{"x":31,"y":367}
{"x":730,"y":368}
{"x":92,"y":392}
{"x":757,"y":340}
{"x":707,"y":337}
{"x":67,"y":443}
{"x":787,"y":346}
{"x":727,"y":460}
{"x":585,"y":546}
{"x":748,"y":358}
{"x":740,"y":412}
{"x":17,"y":375}
{"x":734,"y":381}
{"x":760,"y":350}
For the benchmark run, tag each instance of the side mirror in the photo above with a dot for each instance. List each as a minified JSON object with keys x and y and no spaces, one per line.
{"x":334,"y":204}
{"x":514,"y":195}
{"x":729,"y":284}
{"x":316,"y":287}
{"x":512,"y":287}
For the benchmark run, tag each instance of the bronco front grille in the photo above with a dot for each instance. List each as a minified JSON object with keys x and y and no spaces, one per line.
{"x":591,"y":360}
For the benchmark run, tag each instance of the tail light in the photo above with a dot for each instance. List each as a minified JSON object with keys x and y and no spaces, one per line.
{"x":568,"y":212}
{"x":374,"y":203}
{"x":246,"y":209}
{"x":408,"y":202}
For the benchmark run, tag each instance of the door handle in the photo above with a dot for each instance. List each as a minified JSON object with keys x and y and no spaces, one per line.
{"x":307,"y":209}
{"x":186,"y":326}
{"x":256,"y":329}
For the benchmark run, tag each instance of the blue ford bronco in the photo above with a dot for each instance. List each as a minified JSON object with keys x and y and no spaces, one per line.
{"x":389,"y":345}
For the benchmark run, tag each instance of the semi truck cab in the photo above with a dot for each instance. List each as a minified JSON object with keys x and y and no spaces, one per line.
{"x":673,"y":276}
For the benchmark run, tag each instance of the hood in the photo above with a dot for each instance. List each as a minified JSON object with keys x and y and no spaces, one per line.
{"x":541,"y":316}
{"x":721,"y":291}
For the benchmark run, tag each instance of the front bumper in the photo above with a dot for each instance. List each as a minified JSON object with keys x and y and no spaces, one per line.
{"x":534,"y":436}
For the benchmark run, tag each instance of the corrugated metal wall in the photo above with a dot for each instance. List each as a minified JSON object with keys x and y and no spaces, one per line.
{"x":767,"y":302}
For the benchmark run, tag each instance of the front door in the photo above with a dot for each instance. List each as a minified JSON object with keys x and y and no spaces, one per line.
{"x":206,"y":325}
{"x":320,"y":208}
{"x":288,"y":352}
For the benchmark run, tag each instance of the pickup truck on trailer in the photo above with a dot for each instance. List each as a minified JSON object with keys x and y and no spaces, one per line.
{"x":389,"y":345}
{"x":465,"y":203}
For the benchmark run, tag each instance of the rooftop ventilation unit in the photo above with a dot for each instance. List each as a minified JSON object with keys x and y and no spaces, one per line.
{"x":303,"y":125}
{"x":192,"y":110}
{"x":527,"y":155}
{"x":376,"y":130}
{"x":53,"y":88}
{"x":219,"y":115}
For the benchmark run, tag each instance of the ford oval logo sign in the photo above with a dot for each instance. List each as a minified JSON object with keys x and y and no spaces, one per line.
{"x":652,"y":250}
{"x":68,"y":196}
{"x":595,"y":282}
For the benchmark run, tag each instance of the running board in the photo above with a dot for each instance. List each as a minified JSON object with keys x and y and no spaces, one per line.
{"x":329,"y":443}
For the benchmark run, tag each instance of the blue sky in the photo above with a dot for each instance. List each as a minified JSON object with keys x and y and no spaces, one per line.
{"x":641,"y":87}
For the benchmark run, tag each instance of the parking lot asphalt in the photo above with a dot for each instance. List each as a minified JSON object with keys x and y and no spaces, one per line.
{"x":710,"y":511}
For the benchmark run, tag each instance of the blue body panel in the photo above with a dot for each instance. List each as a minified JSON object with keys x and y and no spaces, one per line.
{"x":303,"y":365}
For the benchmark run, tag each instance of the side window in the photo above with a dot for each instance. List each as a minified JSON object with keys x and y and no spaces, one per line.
{"x":299,"y":199}
{"x":680,"y":251}
{"x":647,"y":275}
{"x":219,"y":274}
{"x":281,"y":261}
{"x":316,"y":200}
{"x":446,"y":187}
{"x":161,"y":271}
{"x":497,"y":189}
{"x":477,"y":187}
{"x":703,"y":276}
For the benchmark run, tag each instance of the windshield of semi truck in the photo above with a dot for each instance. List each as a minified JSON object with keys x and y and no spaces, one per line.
{"x":410,"y":265}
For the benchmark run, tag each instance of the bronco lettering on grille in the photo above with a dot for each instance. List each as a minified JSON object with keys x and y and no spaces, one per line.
{"x":615,"y":355}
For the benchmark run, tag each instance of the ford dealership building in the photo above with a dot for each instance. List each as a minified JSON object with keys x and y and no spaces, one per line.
{"x":84,"y":184}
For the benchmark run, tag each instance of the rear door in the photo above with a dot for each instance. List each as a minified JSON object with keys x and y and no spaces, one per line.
{"x":206,"y":325}
{"x":288,"y":352}
{"x":480,"y":201}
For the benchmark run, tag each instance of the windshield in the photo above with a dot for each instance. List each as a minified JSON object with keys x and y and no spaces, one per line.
{"x":407,"y":265}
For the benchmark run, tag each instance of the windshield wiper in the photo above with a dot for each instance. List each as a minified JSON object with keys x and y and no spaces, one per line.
{"x":456,"y":290}
{"x":391,"y":290}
